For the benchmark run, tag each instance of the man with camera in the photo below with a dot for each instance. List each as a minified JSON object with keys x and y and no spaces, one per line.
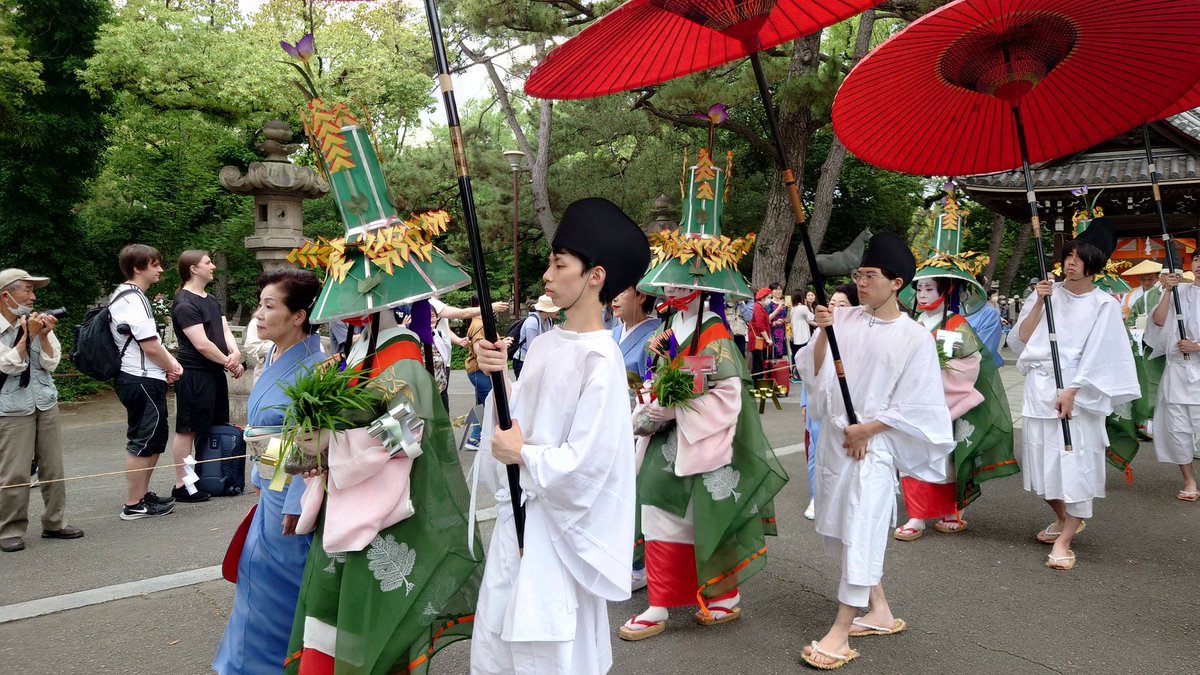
{"x":29,"y":353}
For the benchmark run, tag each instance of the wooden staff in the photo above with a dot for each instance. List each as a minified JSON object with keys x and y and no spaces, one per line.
{"x":1162,"y":222}
{"x":503,"y":415}
{"x":1036,"y":222}
{"x":789,"y":180}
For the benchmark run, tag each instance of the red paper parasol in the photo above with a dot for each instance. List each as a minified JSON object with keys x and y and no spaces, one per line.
{"x":1189,"y":101}
{"x":953,"y":93}
{"x":935,"y":99}
{"x":647,"y":42}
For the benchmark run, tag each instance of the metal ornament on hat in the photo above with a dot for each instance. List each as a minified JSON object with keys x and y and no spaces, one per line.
{"x":647,"y":42}
{"x":984,"y":60}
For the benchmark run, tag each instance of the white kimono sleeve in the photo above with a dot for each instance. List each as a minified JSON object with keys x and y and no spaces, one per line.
{"x":587,"y":484}
{"x":1106,"y":375}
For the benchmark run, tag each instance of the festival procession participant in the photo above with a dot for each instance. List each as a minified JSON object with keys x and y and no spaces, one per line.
{"x":891,"y":367}
{"x":1140,"y":301}
{"x":845,"y":295}
{"x":1177,"y":415}
{"x":1098,"y":373}
{"x":390,"y":577}
{"x":271,"y":559}
{"x":946,"y":292}
{"x":1138,"y":305}
{"x":542,"y":609}
{"x":635,"y":326}
{"x":708,"y":476}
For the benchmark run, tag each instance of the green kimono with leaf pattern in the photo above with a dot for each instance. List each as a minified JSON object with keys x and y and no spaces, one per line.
{"x":732,"y":506}
{"x":413,"y":590}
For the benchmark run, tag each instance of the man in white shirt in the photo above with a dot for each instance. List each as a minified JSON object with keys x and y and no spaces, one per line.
{"x":146,"y":370}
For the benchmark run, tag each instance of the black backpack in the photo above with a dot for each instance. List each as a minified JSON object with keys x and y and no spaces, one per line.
{"x":94,"y":353}
{"x":514,"y":332}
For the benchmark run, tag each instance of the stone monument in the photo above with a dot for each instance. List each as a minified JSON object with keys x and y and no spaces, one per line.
{"x":279,"y":189}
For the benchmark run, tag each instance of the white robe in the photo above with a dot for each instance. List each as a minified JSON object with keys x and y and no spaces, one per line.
{"x":892,"y":371}
{"x":545,"y":613}
{"x":1177,"y":412}
{"x":1097,"y":359}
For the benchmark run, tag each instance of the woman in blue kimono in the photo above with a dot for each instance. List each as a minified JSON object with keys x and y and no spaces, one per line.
{"x":633,"y":328}
{"x":273,"y":557}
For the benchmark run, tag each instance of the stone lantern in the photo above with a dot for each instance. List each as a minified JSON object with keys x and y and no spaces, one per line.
{"x":662,"y":216}
{"x":279,"y":189}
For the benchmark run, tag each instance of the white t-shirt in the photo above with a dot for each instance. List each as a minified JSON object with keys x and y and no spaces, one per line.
{"x":441,"y":332}
{"x":133,"y":310}
{"x":801,"y":328}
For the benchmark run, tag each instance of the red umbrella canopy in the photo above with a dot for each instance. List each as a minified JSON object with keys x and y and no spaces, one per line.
{"x":936,"y":99}
{"x":1190,"y":100}
{"x":647,"y":42}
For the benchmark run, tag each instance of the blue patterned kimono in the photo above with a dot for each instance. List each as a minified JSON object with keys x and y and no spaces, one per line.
{"x":271,"y":566}
{"x":633,"y":348}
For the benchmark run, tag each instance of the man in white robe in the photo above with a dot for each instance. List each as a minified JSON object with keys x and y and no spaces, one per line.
{"x":542,"y":611}
{"x":1177,"y":414}
{"x":895,"y":383}
{"x":1098,"y":373}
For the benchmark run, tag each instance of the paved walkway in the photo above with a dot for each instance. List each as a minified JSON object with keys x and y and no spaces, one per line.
{"x":139,"y":597}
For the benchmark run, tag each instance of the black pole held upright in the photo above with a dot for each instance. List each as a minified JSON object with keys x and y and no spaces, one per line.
{"x":1162,"y":222}
{"x":789,"y":180}
{"x":1036,"y":222}
{"x":477,"y":260}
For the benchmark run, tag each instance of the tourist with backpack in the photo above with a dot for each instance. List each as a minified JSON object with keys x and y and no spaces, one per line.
{"x":29,"y":431}
{"x":539,"y":321}
{"x":146,"y":368}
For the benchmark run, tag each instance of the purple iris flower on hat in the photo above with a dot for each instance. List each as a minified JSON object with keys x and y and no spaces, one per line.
{"x":716,"y":114}
{"x":303,"y":49}
{"x":1079,"y":192}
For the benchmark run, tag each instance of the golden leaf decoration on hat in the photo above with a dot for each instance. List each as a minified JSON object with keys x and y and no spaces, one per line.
{"x":970,"y":262}
{"x":715,"y":253}
{"x":387,"y":248}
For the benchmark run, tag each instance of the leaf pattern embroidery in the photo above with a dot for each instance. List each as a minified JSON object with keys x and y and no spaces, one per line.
{"x":1123,"y":411}
{"x":670,"y":450}
{"x":334,"y":559}
{"x":963,"y":431}
{"x":391,"y":562}
{"x":722,"y":483}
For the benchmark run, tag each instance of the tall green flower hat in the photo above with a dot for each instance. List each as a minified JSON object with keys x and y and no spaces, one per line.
{"x":382,"y":261}
{"x":697,"y":255}
{"x":946,"y":259}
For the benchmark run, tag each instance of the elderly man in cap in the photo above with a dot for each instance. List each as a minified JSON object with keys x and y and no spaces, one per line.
{"x":29,"y":353}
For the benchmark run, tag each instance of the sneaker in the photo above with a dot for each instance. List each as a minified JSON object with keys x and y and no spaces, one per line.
{"x":33,"y":481}
{"x":144,"y":509}
{"x":638,"y":580}
{"x":811,"y":512}
{"x":152,"y":498}
{"x":180,"y":494}
{"x":471,"y":446}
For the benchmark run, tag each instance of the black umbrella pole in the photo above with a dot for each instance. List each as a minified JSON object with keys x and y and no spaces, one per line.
{"x":1036,"y":222}
{"x":789,"y":181}
{"x":467,"y":197}
{"x":1162,"y":222}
